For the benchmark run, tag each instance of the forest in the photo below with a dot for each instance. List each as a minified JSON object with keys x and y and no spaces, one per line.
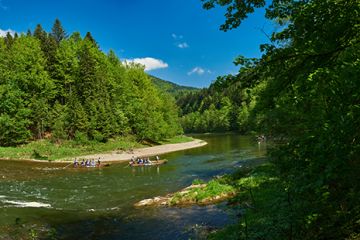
{"x":302,"y":93}
{"x":60,"y":87}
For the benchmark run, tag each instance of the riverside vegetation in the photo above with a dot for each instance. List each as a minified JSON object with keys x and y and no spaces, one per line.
{"x":303,"y":93}
{"x":64,"y":91}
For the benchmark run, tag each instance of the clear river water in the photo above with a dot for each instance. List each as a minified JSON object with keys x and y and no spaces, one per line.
{"x":98,"y":203}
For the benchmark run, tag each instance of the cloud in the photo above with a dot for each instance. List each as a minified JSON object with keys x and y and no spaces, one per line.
{"x":4,"y":32}
{"x":2,"y":6}
{"x":196,"y":70}
{"x":176,"y":37}
{"x":183,"y":45}
{"x":179,"y":42}
{"x":149,"y":63}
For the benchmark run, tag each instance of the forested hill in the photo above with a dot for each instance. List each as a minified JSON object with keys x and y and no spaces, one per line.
{"x":172,"y":88}
{"x":60,"y":86}
{"x":221,"y":107}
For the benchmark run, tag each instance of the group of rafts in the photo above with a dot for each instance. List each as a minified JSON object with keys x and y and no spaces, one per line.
{"x":134,"y":162}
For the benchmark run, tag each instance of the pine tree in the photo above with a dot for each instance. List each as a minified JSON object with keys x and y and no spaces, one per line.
{"x":9,"y":40}
{"x":58,"y":32}
{"x":89,"y":37}
{"x":39,"y":33}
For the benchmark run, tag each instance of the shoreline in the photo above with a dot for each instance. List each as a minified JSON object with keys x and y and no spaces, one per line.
{"x":114,"y":156}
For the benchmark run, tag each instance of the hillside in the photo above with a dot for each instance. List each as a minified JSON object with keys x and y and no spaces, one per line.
{"x":172,"y":88}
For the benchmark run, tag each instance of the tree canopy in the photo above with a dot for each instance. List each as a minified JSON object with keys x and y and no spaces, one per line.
{"x":59,"y":87}
{"x":303,"y":94}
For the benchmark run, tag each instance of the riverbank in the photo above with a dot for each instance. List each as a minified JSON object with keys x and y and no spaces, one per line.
{"x":117,"y":156}
{"x":119,"y":149}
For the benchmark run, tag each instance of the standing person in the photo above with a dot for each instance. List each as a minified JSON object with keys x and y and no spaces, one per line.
{"x":98,"y":162}
{"x":92,"y":163}
{"x":157,"y":158}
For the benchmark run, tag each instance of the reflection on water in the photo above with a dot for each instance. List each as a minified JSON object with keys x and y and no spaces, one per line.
{"x":100,"y":200}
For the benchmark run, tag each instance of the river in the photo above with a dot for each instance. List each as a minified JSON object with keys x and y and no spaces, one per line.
{"x":98,"y":203}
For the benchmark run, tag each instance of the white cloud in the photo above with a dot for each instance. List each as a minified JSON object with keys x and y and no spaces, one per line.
{"x":4,"y":32}
{"x":183,"y":45}
{"x":2,"y":6}
{"x":149,"y":63}
{"x":196,"y":70}
{"x":174,"y":36}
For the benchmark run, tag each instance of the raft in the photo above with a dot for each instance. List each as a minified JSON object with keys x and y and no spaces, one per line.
{"x":91,"y":167}
{"x":153,"y":163}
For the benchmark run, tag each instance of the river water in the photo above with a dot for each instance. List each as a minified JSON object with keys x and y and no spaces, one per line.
{"x":98,"y":203}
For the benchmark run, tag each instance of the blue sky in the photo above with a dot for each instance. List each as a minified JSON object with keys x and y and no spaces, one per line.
{"x":177,"y":40}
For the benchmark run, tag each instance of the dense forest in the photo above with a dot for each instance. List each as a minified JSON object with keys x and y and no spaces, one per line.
{"x":171,"y":88}
{"x":304,"y":93}
{"x":224,"y":106}
{"x":64,"y":87}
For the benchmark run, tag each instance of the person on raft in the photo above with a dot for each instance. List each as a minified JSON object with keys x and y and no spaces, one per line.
{"x":76,"y":163}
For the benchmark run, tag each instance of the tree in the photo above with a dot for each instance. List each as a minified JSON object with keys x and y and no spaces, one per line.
{"x":90,"y":38}
{"x":306,"y":80}
{"x":58,"y":32}
{"x":62,"y":88}
{"x":40,"y":33}
{"x":9,"y":40}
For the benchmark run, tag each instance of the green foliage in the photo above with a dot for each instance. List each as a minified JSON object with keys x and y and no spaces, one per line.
{"x":214,"y":190}
{"x":45,"y":149}
{"x":176,"y":139}
{"x":303,"y":94}
{"x":172,"y":88}
{"x":81,"y":138}
{"x":209,"y":110}
{"x":198,"y":181}
{"x":57,"y":31}
{"x":262,"y":203}
{"x":57,"y":87}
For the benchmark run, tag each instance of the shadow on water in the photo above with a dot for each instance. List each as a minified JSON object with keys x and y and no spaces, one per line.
{"x":98,"y":204}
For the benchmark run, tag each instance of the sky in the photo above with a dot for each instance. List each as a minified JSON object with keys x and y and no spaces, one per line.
{"x":176,"y":40}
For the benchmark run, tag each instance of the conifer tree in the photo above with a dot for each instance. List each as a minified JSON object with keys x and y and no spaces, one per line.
{"x":58,"y":32}
{"x":89,"y":37}
{"x":39,"y":33}
{"x":9,"y":39}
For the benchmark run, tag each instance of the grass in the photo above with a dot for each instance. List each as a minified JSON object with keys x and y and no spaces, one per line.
{"x":177,"y":139}
{"x":215,"y":190}
{"x":47,"y":150}
{"x":262,"y":203}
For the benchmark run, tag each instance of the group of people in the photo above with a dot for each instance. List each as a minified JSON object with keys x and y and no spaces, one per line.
{"x":145,"y":160}
{"x":261,"y":138}
{"x":87,"y":163}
